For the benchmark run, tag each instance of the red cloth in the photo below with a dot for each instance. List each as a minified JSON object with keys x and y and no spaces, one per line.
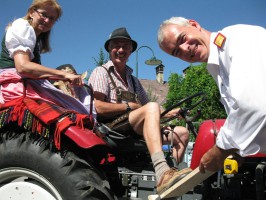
{"x":17,"y":112}
{"x":47,"y":113}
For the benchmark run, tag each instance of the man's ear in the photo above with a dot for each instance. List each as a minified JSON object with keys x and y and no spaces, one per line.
{"x":194,"y":24}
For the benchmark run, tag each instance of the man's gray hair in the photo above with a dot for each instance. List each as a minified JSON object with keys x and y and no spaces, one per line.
{"x":181,"y":21}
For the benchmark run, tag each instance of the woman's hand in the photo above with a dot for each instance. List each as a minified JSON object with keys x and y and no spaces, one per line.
{"x":74,"y":79}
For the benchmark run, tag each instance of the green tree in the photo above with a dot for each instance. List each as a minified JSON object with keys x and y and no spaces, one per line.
{"x":102,"y":58}
{"x":175,"y":86}
{"x":197,"y":79}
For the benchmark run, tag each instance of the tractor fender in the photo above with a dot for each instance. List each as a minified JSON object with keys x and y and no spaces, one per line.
{"x":84,"y":138}
{"x":206,"y":138}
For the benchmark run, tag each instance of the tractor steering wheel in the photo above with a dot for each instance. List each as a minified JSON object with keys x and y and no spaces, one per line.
{"x":183,"y":111}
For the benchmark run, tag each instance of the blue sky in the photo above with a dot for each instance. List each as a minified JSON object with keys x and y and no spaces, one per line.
{"x":86,"y":24}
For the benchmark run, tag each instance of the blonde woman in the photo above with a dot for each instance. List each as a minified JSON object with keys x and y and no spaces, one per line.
{"x":25,"y":39}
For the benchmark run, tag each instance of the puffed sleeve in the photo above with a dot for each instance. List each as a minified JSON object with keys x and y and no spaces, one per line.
{"x":20,"y":36}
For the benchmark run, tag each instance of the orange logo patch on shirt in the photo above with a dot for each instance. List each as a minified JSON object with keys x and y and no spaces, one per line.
{"x":219,"y":40}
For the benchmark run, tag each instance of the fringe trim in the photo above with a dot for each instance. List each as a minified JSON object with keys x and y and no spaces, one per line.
{"x":28,"y":121}
{"x":24,"y":119}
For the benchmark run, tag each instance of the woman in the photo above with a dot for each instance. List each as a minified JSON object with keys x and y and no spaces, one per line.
{"x":22,"y":44}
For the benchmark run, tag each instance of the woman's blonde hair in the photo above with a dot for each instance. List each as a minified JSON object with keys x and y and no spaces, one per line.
{"x":44,"y":38}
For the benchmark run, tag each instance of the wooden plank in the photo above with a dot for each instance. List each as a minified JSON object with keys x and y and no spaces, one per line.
{"x":184,"y":185}
{"x":154,"y":197}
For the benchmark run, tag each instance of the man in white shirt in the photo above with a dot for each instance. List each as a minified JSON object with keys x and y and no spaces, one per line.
{"x":235,"y":59}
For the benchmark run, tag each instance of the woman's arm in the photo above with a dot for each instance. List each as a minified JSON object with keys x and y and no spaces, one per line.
{"x":36,"y":71}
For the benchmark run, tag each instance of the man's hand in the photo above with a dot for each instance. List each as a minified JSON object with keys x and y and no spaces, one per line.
{"x":134,"y":106}
{"x":214,"y":158}
{"x":172,"y":113}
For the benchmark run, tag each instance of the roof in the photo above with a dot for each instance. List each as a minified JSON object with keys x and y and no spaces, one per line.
{"x":157,"y":90}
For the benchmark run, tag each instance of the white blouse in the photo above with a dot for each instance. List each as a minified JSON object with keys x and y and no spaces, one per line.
{"x":20,"y":36}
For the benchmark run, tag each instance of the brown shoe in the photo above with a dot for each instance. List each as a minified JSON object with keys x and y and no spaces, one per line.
{"x":170,"y":177}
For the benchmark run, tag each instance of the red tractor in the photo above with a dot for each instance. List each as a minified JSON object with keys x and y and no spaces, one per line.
{"x":103,"y":164}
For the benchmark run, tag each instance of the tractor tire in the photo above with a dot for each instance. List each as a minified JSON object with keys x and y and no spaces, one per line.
{"x":27,"y":161}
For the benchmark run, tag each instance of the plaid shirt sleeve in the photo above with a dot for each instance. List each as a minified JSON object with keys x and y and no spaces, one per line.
{"x":98,"y":81}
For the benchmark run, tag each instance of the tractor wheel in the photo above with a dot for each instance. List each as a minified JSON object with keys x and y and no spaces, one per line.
{"x":29,"y":169}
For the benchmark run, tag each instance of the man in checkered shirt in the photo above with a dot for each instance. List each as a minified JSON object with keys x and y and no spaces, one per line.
{"x":122,"y":103}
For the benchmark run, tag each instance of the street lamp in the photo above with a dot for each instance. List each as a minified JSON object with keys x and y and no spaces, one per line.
{"x":152,"y":61}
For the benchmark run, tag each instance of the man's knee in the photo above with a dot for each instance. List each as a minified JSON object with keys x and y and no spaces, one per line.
{"x":182,"y":132}
{"x":152,"y":107}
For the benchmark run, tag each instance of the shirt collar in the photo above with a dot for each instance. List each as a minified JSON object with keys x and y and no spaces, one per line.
{"x":110,"y":65}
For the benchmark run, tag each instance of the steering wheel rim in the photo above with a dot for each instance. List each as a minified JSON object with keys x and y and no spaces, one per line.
{"x":184,"y":110}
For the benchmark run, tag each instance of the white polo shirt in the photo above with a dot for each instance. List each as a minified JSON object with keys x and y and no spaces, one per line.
{"x":239,"y":69}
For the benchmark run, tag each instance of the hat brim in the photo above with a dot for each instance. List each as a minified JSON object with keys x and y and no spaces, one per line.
{"x":134,"y":43}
